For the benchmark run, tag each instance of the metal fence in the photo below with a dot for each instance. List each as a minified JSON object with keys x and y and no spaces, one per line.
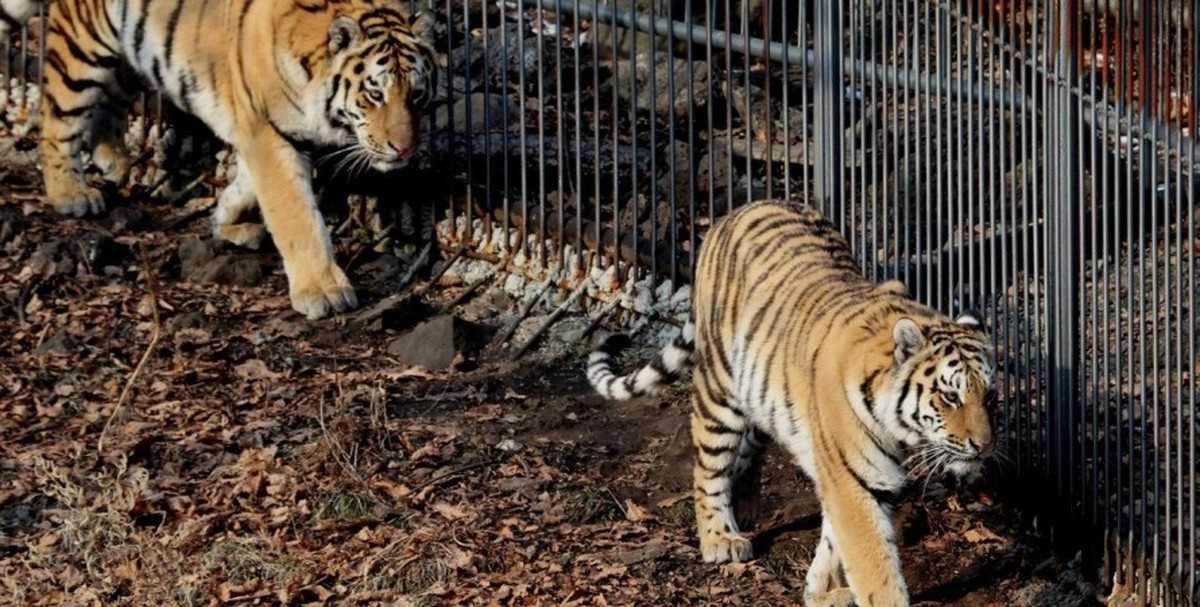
{"x":1032,"y":160}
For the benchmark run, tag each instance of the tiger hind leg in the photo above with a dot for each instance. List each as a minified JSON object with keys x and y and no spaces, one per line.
{"x":109,"y":153}
{"x":747,"y":472}
{"x":74,"y":92}
{"x":717,"y":433}
{"x":235,"y":200}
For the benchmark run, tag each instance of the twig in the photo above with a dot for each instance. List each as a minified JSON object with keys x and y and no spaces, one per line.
{"x":343,"y":458}
{"x":187,"y":217}
{"x":554,"y":316}
{"x":155,"y":334}
{"x":499,"y":342}
{"x":467,"y":293}
{"x":437,"y":276}
{"x":608,"y":308}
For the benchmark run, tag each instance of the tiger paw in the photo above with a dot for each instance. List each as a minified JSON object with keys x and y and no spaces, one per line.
{"x":78,"y":201}
{"x":724,"y":547}
{"x":838,"y":597}
{"x":323,"y":294}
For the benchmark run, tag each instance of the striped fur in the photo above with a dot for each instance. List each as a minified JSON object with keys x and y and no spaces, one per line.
{"x":674,"y":360}
{"x":272,"y":78}
{"x":863,"y":387}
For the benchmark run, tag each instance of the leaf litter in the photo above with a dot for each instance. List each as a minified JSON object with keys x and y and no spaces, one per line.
{"x":252,"y":457}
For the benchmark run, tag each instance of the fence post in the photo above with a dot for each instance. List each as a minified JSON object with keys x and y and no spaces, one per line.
{"x":1062,"y":278}
{"x":827,"y":101}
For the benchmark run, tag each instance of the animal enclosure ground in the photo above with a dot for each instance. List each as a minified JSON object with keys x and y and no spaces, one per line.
{"x":177,"y":442}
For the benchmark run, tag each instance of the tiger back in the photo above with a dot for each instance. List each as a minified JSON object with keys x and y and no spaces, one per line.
{"x":856,"y":381}
{"x":274,"y":79}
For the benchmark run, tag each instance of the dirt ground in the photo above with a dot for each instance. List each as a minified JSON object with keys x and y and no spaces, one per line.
{"x":173,"y":441}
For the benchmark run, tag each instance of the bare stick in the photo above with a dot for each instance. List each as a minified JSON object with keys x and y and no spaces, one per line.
{"x":155,"y":333}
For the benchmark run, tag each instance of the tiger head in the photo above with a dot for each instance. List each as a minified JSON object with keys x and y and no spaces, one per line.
{"x":383,"y":75}
{"x":945,"y":394}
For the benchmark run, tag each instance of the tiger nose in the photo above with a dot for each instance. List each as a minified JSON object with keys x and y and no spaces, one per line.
{"x":400,"y":150}
{"x":983,"y":448}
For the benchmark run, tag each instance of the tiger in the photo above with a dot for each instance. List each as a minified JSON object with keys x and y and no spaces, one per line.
{"x":862,"y":385}
{"x":276,"y":80}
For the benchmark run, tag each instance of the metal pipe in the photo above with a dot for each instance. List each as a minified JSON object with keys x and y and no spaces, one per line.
{"x":776,"y":51}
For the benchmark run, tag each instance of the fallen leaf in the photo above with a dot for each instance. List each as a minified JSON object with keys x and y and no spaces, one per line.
{"x":255,"y":369}
{"x":982,"y":534}
{"x":635,"y":513}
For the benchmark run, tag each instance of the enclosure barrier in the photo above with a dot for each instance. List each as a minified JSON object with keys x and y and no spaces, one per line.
{"x":1034,"y":161}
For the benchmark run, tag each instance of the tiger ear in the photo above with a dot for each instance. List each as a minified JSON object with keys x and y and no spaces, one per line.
{"x":344,"y":32}
{"x":970,"y":319}
{"x":908,"y":338}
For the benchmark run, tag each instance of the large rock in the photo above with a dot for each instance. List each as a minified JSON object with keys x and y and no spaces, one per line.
{"x":435,"y":343}
{"x":207,"y":261}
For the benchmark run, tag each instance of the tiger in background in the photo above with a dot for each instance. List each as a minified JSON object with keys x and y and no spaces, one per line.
{"x":273,"y":78}
{"x":858,"y":382}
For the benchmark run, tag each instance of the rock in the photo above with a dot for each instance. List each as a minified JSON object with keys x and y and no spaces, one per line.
{"x":675,"y":170}
{"x":435,"y":343}
{"x":60,"y":344}
{"x":10,"y":226}
{"x":97,"y":251}
{"x":477,"y":111}
{"x":653,"y":77}
{"x":124,"y":218}
{"x":204,"y":261}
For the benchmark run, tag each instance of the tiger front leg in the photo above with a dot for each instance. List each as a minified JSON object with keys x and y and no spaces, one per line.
{"x":281,"y":177}
{"x":66,"y":113}
{"x":861,"y":533}
{"x":717,"y":439}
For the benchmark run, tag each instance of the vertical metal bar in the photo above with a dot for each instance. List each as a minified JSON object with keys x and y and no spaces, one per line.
{"x":811,"y":144}
{"x":560,"y":135}
{"x":1094,"y":340}
{"x":1029,"y":278}
{"x":748,"y":126}
{"x":827,"y":127}
{"x":730,"y":171}
{"x":879,"y":153}
{"x":1108,"y":259}
{"x":936,"y":166}
{"x":1141,"y":182}
{"x":539,"y":251}
{"x":505,"y":154}
{"x":900,"y":219}
{"x":635,"y":202}
{"x":522,"y":130}
{"x":673,"y":156}
{"x":487,"y":127}
{"x":653,"y":151}
{"x":964,"y":120}
{"x":616,"y":121}
{"x":580,"y":195}
{"x":1185,"y":517}
{"x":924,"y":130}
{"x":786,"y":109}
{"x":469,"y":117}
{"x":597,"y":201}
{"x":709,"y":14}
